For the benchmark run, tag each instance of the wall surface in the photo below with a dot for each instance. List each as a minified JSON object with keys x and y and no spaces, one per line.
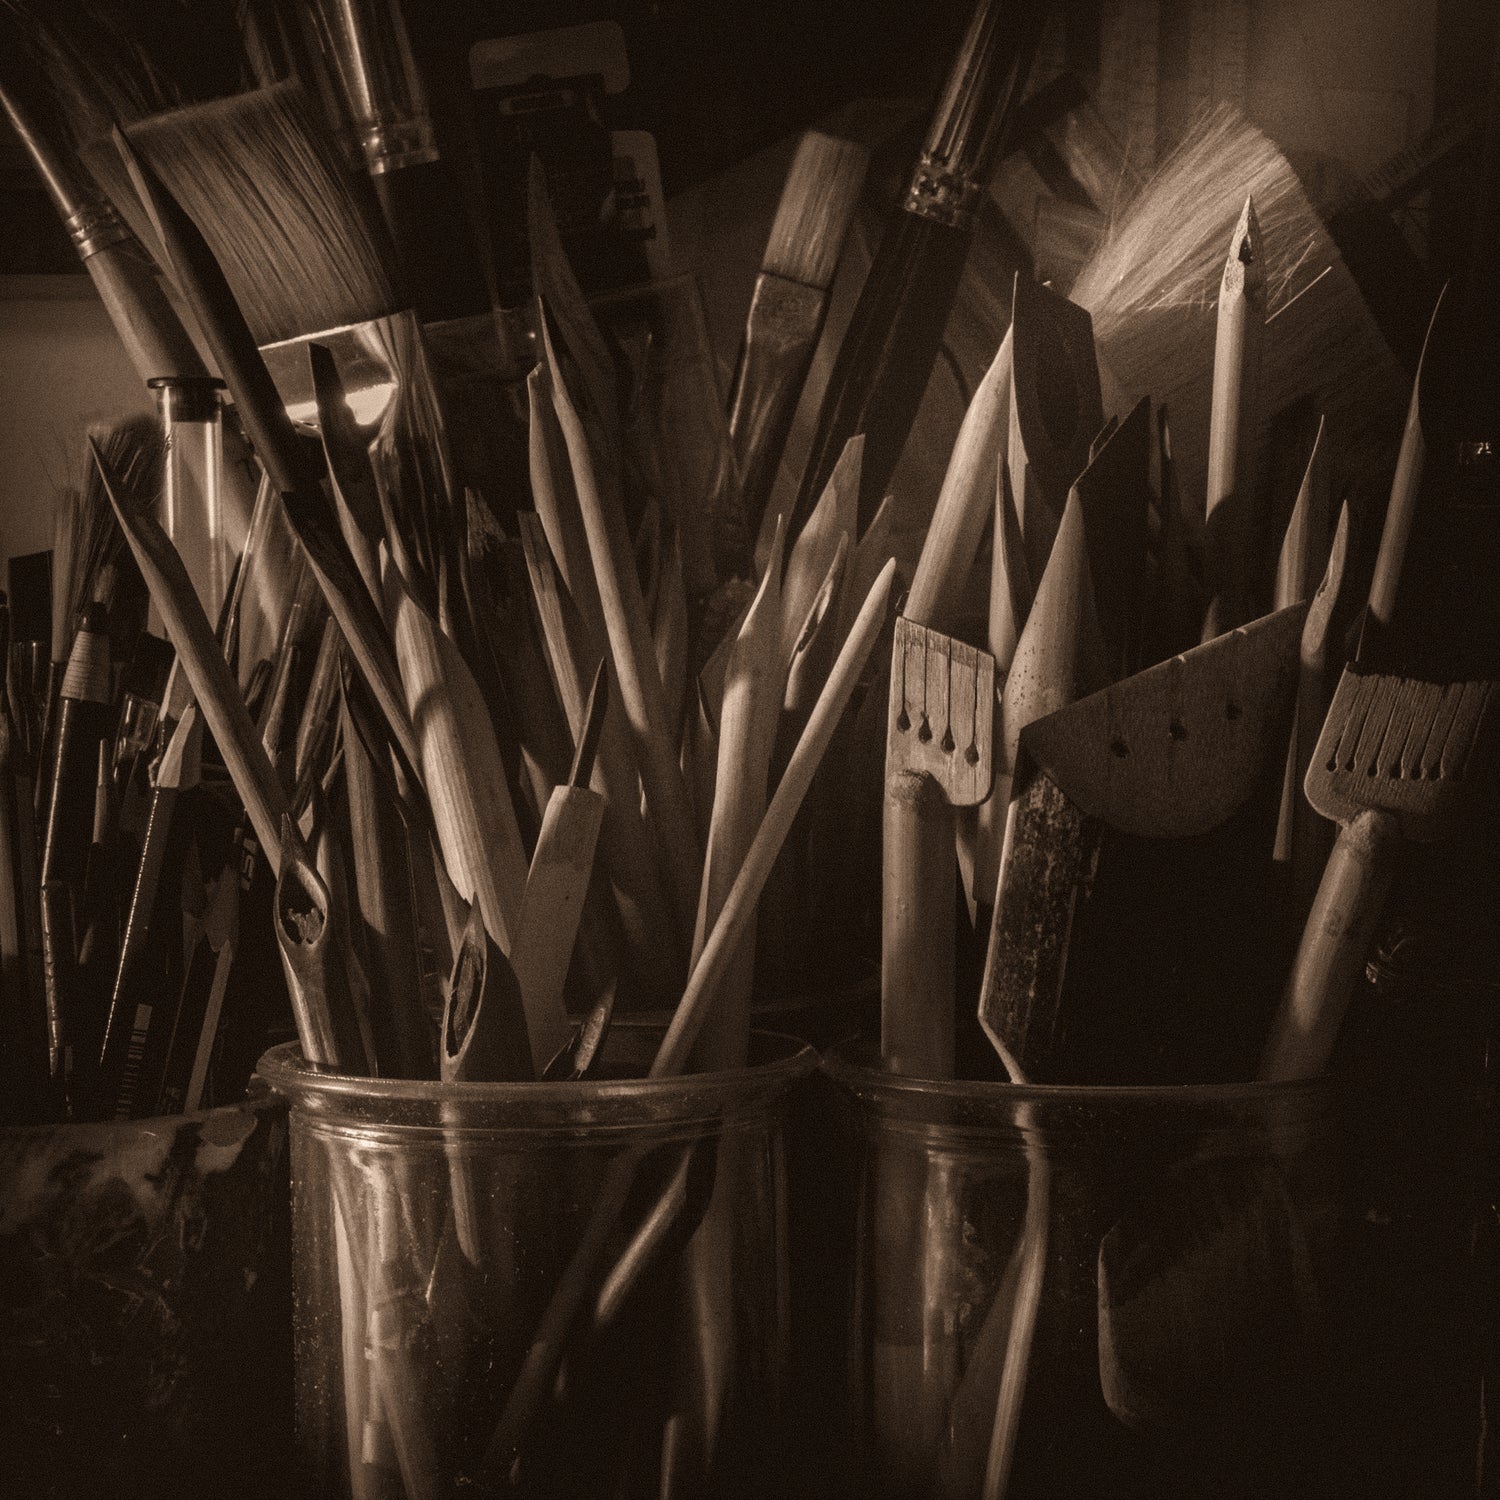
{"x":61,"y":368}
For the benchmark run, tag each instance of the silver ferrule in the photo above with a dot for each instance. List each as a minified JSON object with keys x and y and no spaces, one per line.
{"x":392,"y":143}
{"x":94,"y":226}
{"x":938,"y":193}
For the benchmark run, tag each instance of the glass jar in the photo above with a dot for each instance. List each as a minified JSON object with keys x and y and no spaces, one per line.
{"x":542,"y":1288}
{"x":1091,"y":1291}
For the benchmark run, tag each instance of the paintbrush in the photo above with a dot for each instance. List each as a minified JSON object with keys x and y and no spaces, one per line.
{"x":291,"y":459}
{"x":1398,"y":760}
{"x":892,"y":339}
{"x":84,"y":719}
{"x":787,"y":307}
{"x":304,"y":256}
{"x":367,"y":44}
{"x":214,"y":688}
{"x":152,"y":927}
{"x":155,"y":341}
{"x":1229,"y":530}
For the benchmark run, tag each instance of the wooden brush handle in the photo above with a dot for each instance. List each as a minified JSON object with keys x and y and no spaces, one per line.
{"x":917,"y":928}
{"x":425,"y":215}
{"x":1332,"y":952}
{"x":155,"y":341}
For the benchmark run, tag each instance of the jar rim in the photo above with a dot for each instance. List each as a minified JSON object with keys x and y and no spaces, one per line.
{"x":844,"y":1065}
{"x":784,"y":1061}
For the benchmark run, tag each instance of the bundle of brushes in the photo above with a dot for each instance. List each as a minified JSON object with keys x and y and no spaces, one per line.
{"x":429,"y":710}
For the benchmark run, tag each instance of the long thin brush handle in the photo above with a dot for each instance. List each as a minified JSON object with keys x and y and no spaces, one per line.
{"x":1337,"y":937}
{"x":893,"y":337}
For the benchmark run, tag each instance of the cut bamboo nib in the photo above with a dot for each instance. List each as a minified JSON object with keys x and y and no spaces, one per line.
{"x":942,"y":712}
{"x":1232,"y":428}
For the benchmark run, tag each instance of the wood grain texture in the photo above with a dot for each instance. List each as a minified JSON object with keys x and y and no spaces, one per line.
{"x":1174,"y":750}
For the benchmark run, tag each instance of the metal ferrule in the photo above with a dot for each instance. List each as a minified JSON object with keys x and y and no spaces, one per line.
{"x":945,"y":196}
{"x":94,"y":226}
{"x":393,"y":143}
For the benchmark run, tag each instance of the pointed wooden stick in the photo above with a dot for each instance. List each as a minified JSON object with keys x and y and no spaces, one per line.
{"x":753,"y":693}
{"x":634,"y":656}
{"x":214,"y":687}
{"x":964,"y":502}
{"x":739,"y":905}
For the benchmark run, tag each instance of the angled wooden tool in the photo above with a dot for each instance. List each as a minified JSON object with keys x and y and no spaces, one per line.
{"x":1398,"y":759}
{"x":1169,"y":753}
{"x":938,"y":757}
{"x":1056,"y":410}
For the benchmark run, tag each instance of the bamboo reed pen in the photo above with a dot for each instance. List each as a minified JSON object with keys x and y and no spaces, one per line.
{"x":634,"y":655}
{"x":1230,"y":517}
{"x":753,"y":692}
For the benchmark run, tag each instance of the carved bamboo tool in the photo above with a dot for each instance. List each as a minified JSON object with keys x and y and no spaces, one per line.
{"x":938,"y":757}
{"x":1398,"y":760}
{"x":1169,"y":753}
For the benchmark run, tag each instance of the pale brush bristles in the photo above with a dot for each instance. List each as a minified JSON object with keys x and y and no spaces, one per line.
{"x":298,"y":242}
{"x":815,"y":209}
{"x":1153,"y":284}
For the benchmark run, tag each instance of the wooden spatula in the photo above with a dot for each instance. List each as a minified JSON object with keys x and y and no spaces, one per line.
{"x":1398,"y":759}
{"x":1169,"y":753}
{"x":938,"y":757}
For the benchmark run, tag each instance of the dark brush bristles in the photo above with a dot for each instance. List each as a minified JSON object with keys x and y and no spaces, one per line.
{"x":296,"y":234}
{"x":100,"y":566}
{"x":815,"y":209}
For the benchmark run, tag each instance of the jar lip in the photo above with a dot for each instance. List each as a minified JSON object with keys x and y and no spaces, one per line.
{"x":789,"y":1059}
{"x":842,"y":1063}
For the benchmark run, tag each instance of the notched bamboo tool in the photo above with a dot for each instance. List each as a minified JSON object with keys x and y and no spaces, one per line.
{"x":1398,"y":759}
{"x":939,"y":756}
{"x":1169,"y":753}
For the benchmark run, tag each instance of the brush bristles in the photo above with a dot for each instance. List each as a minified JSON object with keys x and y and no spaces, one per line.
{"x":817,"y":204}
{"x":297,"y":240}
{"x":136,"y":456}
{"x":1152,"y":286}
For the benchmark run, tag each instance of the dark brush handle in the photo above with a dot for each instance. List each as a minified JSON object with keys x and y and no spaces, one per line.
{"x":434,"y":241}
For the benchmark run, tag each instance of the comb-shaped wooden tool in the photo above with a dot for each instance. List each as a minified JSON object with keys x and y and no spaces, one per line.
{"x":1397,"y":760}
{"x":938,"y":757}
{"x":1169,"y":753}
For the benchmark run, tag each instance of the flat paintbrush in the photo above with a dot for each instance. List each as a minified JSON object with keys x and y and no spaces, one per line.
{"x":888,"y":349}
{"x":152,"y":333}
{"x":291,"y":460}
{"x":787,"y":307}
